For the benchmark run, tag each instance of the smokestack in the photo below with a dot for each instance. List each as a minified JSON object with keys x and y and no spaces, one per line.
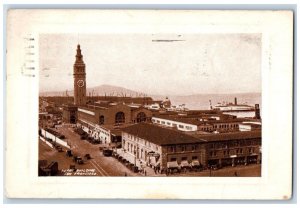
{"x":235,"y":101}
{"x":210,"y":105}
{"x":257,"y":111}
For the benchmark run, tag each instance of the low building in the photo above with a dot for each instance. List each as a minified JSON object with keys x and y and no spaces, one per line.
{"x":108,"y":134}
{"x":112,"y":114}
{"x":235,"y":148}
{"x":186,"y":123}
{"x":249,"y":126}
{"x":159,"y":146}
{"x":103,"y":120}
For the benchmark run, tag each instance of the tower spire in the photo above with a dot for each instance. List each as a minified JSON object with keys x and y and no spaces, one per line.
{"x":78,"y":55}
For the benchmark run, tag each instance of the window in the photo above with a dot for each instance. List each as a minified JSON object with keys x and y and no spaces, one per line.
{"x":141,"y":117}
{"x":183,"y":148}
{"x":120,"y":118}
{"x":188,"y":127}
{"x":173,"y":159}
{"x":194,"y":147}
{"x":101,"y":120}
{"x":184,"y":158}
{"x":172,"y":148}
{"x":181,"y":126}
{"x":163,"y":122}
{"x":168,"y":123}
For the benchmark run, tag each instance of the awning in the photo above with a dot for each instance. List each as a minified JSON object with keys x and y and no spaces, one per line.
{"x":172,"y":164}
{"x":195,"y":163}
{"x":184,"y":163}
{"x":233,"y":156}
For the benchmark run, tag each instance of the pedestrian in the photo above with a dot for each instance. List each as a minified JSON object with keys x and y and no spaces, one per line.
{"x":235,"y":173}
{"x":155,"y":170}
{"x":145,"y":173}
{"x":125,"y":174}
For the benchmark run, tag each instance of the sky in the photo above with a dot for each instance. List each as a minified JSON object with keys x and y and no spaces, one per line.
{"x":197,"y":64}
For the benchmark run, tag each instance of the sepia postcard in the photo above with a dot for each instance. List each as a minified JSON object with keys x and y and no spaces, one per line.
{"x":149,"y":104}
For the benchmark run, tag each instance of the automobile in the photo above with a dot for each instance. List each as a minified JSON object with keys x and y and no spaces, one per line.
{"x":72,"y":167}
{"x":62,"y":137}
{"x":69,"y":153}
{"x":79,"y":160}
{"x":83,"y":137}
{"x":90,"y":139}
{"x":59,"y":149}
{"x":107,"y":152}
{"x":215,"y":167}
{"x":87,"y":156}
{"x":94,"y":141}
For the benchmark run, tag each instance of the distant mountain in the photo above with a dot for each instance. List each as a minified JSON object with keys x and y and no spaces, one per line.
{"x":101,"y":90}
{"x":111,"y":90}
{"x":197,"y":101}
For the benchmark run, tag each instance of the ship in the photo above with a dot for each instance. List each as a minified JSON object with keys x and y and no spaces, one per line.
{"x":232,"y":107}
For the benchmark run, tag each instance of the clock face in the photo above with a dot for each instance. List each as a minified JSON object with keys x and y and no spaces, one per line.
{"x":80,"y":83}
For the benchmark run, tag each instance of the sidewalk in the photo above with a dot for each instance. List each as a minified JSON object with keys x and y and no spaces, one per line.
{"x":140,"y":164}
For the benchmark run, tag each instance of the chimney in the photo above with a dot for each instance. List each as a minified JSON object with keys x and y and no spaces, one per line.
{"x":235,"y":101}
{"x":257,"y":111}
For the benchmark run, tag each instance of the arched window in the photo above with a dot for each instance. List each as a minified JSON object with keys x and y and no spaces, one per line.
{"x":120,"y":118}
{"x":101,"y":119}
{"x":141,"y":117}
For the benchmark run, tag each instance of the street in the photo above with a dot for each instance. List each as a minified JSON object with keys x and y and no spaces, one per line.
{"x":102,"y":166}
{"x":99,"y":165}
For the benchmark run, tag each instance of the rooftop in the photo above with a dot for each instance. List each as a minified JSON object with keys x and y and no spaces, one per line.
{"x":227,"y":136}
{"x":196,"y":120}
{"x":165,"y":136}
{"x":159,"y":135}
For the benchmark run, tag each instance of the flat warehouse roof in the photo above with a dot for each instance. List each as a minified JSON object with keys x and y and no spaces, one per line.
{"x":166,"y":136}
{"x":159,"y":135}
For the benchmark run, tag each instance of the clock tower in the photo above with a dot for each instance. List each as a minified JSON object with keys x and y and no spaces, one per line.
{"x":79,"y":79}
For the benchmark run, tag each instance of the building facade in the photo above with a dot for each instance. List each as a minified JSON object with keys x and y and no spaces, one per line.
{"x":156,"y":145}
{"x":197,"y":124}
